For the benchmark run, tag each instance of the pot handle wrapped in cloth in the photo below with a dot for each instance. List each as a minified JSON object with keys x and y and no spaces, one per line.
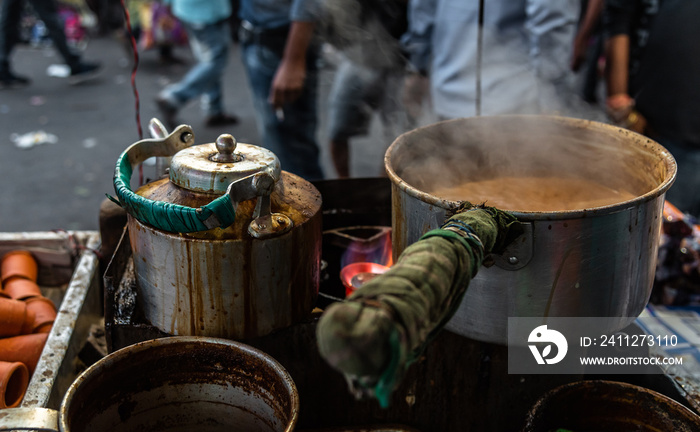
{"x":387,"y":323}
{"x":221,"y":212}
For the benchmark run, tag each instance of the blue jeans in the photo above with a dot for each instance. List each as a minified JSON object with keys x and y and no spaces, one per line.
{"x":292,"y":136}
{"x":685,"y":191}
{"x":47,"y":11}
{"x":209,"y":45}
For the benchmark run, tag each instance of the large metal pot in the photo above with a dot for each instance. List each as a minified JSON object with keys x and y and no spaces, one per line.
{"x":608,"y":406}
{"x":172,"y":384}
{"x":236,"y":279}
{"x":587,"y":262}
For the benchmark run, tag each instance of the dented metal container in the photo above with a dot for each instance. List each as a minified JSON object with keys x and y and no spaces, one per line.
{"x":259,"y":274}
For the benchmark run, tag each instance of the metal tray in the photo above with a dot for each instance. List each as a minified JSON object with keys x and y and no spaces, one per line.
{"x":68,"y":275}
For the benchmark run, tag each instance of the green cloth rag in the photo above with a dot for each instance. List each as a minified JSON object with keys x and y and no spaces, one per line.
{"x":375,"y":334}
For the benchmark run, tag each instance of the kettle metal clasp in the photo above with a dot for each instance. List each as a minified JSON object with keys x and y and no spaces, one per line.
{"x":265,"y":223}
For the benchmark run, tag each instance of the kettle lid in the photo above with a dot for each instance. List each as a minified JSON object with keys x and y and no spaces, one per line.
{"x":210,"y":168}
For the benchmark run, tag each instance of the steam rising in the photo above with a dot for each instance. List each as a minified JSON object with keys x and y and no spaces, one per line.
{"x":353,"y":28}
{"x":458,"y":151}
{"x":516,"y":81}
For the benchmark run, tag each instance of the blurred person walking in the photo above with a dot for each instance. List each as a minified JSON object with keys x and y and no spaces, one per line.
{"x":281,"y":60}
{"x":154,"y":27}
{"x":47,"y":11}
{"x":370,"y":74}
{"x":516,"y":62}
{"x":588,"y":48}
{"x":206,"y":22}
{"x":653,"y":82}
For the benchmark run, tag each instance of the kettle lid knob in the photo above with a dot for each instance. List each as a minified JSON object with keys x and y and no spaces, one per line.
{"x":225,"y":146}
{"x":212,"y":167}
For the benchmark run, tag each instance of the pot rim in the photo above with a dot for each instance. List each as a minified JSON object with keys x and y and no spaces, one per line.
{"x":654,"y":147}
{"x":126,"y":352}
{"x":673,"y":407}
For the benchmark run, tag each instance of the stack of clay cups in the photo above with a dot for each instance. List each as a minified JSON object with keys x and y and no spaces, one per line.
{"x":26,"y":317}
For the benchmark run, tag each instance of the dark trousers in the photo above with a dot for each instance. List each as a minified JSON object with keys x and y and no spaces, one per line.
{"x":47,"y":11}
{"x":290,"y":133}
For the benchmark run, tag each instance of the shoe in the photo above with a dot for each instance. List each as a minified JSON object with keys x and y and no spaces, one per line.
{"x":168,"y":112}
{"x":8,"y":80}
{"x":221,"y":119}
{"x":83,"y":72}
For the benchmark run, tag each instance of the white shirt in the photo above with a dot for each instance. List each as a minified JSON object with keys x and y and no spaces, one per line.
{"x":526,"y":51}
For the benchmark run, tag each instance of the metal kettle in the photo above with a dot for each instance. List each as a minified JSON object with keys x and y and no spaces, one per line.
{"x":228,"y":245}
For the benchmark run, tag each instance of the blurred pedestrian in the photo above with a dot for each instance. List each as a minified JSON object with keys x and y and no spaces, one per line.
{"x":369,"y":76}
{"x":516,"y":62}
{"x":281,"y":60}
{"x":588,"y":48}
{"x":653,"y":82}
{"x":206,"y":22}
{"x":158,"y":28}
{"x":108,"y":13}
{"x":153,"y":26}
{"x":47,"y":11}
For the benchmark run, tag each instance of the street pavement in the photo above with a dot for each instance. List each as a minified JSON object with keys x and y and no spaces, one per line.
{"x":61,"y":183}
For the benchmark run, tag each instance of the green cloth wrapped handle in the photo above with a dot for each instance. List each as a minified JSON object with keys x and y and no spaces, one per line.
{"x":387,"y":323}
{"x":176,"y":218}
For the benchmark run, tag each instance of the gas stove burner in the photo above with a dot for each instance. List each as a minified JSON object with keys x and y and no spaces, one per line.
{"x":354,"y":255}
{"x":357,"y":274}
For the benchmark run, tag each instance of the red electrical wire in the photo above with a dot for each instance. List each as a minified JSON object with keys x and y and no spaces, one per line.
{"x":135,"y":50}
